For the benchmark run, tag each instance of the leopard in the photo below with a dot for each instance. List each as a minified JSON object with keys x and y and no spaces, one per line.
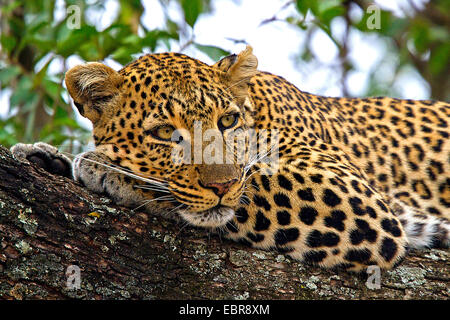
{"x":357,"y":181}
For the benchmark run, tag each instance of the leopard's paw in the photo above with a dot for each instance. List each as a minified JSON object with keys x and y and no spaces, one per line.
{"x":45,"y":156}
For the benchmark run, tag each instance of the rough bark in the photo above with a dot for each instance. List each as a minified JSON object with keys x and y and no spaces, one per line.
{"x":48,"y":223}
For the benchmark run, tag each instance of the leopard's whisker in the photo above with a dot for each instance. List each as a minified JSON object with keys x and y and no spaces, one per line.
{"x":258,"y":157}
{"x":184,"y":224}
{"x":248,"y":191}
{"x":245,"y":199}
{"x":129,"y":174}
{"x":162,"y":198}
{"x":152,"y":188}
{"x":256,"y":171}
{"x":175,"y":209}
{"x":106,"y":164}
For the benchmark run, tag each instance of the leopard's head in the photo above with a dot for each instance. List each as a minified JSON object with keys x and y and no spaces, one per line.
{"x":167,"y":118}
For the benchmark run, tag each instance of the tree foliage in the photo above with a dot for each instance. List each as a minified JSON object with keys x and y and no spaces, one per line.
{"x":420,"y":39}
{"x":36,"y":36}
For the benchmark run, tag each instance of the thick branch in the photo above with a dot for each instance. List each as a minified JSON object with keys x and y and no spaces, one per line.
{"x":48,"y":223}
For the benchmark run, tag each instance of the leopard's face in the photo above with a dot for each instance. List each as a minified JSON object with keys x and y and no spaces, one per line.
{"x":173,"y":138}
{"x":170,"y":119}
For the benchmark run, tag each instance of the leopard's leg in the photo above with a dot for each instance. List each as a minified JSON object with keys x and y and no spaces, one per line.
{"x":95,"y":171}
{"x":423,"y":230}
{"x":44,"y":155}
{"x":92,"y":169}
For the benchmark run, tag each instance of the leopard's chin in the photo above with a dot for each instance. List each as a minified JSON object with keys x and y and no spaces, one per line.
{"x":211,"y":218}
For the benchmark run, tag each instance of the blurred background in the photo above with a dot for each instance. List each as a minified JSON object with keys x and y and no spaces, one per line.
{"x":398,"y":48}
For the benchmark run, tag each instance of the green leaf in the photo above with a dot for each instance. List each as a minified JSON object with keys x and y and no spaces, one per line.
{"x":37,"y":22}
{"x":69,"y":40}
{"x":324,"y":10}
{"x":215,"y":53}
{"x":420,"y":35}
{"x":439,"y":59}
{"x":388,"y":24}
{"x":23,"y":92}
{"x":133,"y":40}
{"x":438,"y":33}
{"x":191,"y":9}
{"x":89,"y":51}
{"x":9,"y":132}
{"x":394,"y":26}
{"x":152,"y":38}
{"x":8,"y":73}
{"x":325,"y":5}
{"x":123,"y":55}
{"x":329,"y":14}
{"x":111,"y":38}
{"x":172,"y":28}
{"x":8,"y":42}
{"x":52,"y":88}
{"x":304,"y":5}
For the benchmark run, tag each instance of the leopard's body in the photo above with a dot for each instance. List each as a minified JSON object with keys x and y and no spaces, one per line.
{"x":358,"y":180}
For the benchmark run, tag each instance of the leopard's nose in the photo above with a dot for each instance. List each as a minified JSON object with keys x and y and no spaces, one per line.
{"x":221,"y":188}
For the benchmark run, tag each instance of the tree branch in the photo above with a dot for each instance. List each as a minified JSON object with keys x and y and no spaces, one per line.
{"x":48,"y":223}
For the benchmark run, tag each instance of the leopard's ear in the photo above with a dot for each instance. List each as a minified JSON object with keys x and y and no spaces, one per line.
{"x":92,"y":87}
{"x":239,"y":69}
{"x":224,"y":64}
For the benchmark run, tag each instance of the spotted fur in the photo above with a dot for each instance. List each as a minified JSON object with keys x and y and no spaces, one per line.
{"x":359,"y":180}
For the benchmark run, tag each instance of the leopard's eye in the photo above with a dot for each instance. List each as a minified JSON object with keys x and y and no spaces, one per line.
{"x":163,"y":133}
{"x":228,"y":121}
